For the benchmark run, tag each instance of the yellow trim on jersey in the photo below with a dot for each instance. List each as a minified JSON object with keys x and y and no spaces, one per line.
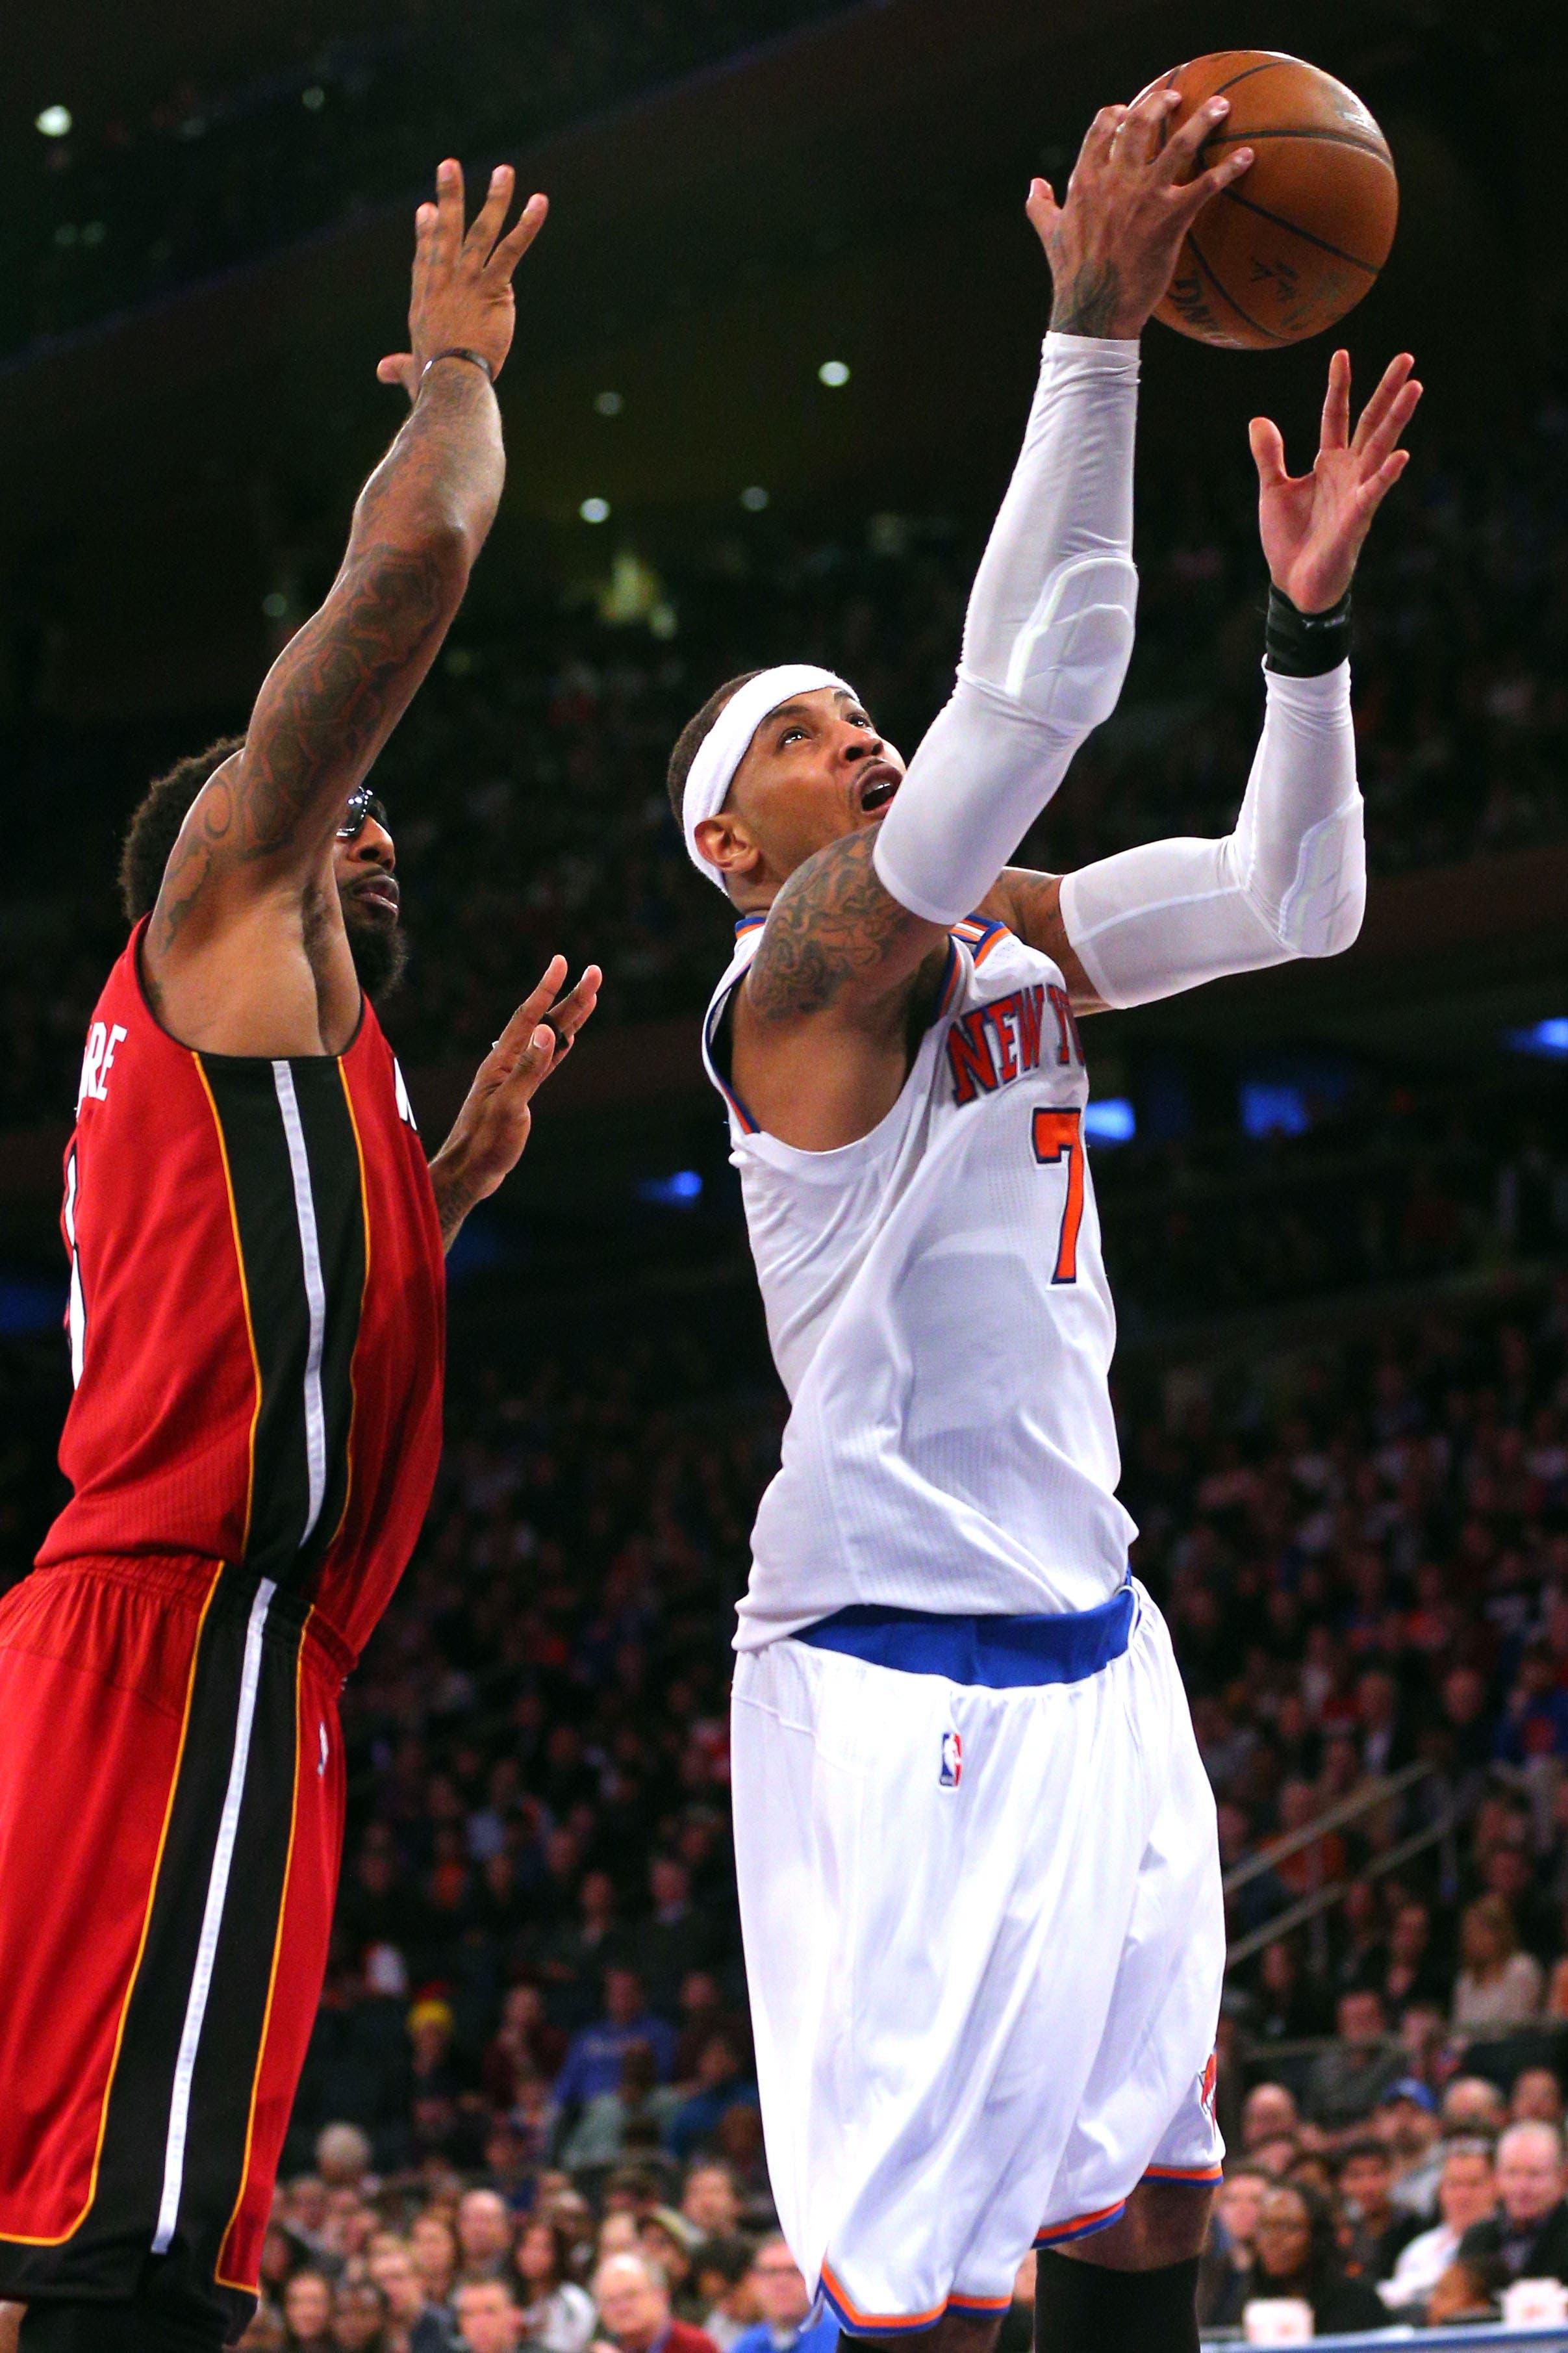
{"x":18,"y":2237}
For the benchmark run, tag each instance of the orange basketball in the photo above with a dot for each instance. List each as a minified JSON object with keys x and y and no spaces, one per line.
{"x":1298,"y":240}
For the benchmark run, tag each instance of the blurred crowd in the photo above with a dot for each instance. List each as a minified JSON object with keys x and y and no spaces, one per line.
{"x":106,"y":212}
{"x":536,"y":2012}
{"x":527,"y":783}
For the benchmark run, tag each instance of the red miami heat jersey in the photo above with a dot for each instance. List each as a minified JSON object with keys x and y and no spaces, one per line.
{"x":256,"y":1312}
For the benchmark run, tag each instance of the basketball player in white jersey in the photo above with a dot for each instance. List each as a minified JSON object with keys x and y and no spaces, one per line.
{"x":978,"y":1870}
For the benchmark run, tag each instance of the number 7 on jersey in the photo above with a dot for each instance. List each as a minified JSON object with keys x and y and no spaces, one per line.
{"x":1055,"y":1132}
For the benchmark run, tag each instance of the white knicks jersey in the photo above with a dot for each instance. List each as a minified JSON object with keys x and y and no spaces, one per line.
{"x":937,"y":1311}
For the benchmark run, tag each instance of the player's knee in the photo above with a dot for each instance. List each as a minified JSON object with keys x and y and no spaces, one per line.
{"x":1164,"y":2223}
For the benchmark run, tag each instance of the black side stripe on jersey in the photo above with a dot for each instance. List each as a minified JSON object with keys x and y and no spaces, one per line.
{"x":299,"y":1212}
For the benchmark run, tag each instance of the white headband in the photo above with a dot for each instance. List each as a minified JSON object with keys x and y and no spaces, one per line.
{"x":725,"y":745}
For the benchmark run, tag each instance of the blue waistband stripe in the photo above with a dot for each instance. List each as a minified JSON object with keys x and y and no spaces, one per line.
{"x":998,"y":1652}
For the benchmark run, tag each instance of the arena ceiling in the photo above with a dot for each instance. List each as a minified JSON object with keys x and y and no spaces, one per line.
{"x":852,"y":193}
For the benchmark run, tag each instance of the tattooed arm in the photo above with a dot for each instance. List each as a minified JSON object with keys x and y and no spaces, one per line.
{"x":245,"y":950}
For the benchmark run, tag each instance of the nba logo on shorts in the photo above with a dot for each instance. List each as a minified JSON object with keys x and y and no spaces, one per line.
{"x":952,"y":1771}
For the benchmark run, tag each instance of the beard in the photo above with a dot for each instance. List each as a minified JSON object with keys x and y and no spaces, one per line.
{"x":379,"y":949}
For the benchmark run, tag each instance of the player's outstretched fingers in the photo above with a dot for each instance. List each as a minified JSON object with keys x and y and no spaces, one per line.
{"x":446,"y":232}
{"x":516,"y":1037}
{"x":488,"y":221}
{"x":1336,"y":426}
{"x":1268,"y":446}
{"x":1188,"y":202}
{"x":1043,"y":210}
{"x":520,"y":236}
{"x":1394,"y":381}
{"x":1101,"y":136}
{"x":567,"y":1018}
{"x":1143,"y":133}
{"x":1182,"y":148}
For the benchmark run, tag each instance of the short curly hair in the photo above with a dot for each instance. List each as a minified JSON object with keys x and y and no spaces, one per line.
{"x":155,"y":823}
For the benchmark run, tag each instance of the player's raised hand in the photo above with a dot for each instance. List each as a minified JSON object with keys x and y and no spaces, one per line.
{"x":489,"y":1133}
{"x":462,"y":297}
{"x":1113,"y":246}
{"x":1312,"y":525}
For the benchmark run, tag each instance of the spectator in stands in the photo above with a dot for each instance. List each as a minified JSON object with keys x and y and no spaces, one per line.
{"x":1527,"y":2237}
{"x":1405,"y":2122}
{"x":416,"y":2324}
{"x":433,"y":2244}
{"x":1472,"y":2105}
{"x":342,"y":2157}
{"x":634,"y":2308}
{"x":308,"y":2312}
{"x":727,"y":2288}
{"x":593,"y":2062}
{"x":786,"y":2304}
{"x":487,"y":2318}
{"x":608,"y":2127}
{"x":1268,"y":2113}
{"x":1497,"y":1985}
{"x":1467,"y":2194}
{"x":671,"y":2241}
{"x":708,"y":2199}
{"x":557,"y":2314}
{"x":359,"y":2317}
{"x":677,"y":1941}
{"x":703,"y":2014}
{"x":1297,"y":2256}
{"x":1379,"y":2229}
{"x":722,"y":2083}
{"x":1349,"y":2079}
{"x":484,"y":2236}
{"x":1287,"y":2010}
{"x":263,"y":2333}
{"x":1411,"y":1971}
{"x":1230,"y":2252}
{"x":1536,"y":2098}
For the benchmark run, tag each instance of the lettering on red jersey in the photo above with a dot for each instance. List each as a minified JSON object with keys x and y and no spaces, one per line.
{"x":97,"y":1061}
{"x":1000,"y":1041}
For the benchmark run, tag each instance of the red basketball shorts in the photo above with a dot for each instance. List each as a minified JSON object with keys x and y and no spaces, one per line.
{"x":170,"y":1822}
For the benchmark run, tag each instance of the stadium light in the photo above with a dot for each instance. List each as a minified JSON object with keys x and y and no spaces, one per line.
{"x":753,"y":498}
{"x":681,"y":1191}
{"x":55,"y":121}
{"x":1270,"y":1108}
{"x":1549,"y":1039}
{"x":594,"y":510}
{"x":610,"y":404}
{"x":832,"y":373}
{"x":1110,"y":1119}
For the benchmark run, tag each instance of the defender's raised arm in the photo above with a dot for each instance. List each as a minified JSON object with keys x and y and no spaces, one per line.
{"x":246,"y":951}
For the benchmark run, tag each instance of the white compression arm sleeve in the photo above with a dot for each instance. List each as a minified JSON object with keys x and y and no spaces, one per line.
{"x":1045,"y":642}
{"x":1290,"y":882}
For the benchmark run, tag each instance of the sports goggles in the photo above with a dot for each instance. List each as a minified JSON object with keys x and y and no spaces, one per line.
{"x":362,"y":803}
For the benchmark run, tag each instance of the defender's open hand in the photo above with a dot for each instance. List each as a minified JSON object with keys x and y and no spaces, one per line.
{"x":1113,"y":244}
{"x":462,"y":296}
{"x":491,"y":1131}
{"x":1312,"y":525}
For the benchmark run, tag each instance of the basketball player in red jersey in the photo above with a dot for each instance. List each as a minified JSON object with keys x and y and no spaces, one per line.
{"x":256,"y":1305}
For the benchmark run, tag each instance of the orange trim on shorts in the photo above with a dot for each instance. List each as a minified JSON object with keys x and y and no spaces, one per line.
{"x":1079,"y":2226}
{"x":851,"y":2311}
{"x":57,"y":2239}
{"x":1184,"y":2173}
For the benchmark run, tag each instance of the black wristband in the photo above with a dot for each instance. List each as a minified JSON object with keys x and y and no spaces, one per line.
{"x":1305,"y":645}
{"x":459,"y":352}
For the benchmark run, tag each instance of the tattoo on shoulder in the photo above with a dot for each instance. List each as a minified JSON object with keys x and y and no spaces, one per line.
{"x":833,"y":920}
{"x":1088,"y":304}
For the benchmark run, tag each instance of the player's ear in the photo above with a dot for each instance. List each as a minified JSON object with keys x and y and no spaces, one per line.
{"x":725,"y":840}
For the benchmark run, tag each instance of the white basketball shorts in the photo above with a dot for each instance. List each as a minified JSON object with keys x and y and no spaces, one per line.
{"x":985,"y":1940}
